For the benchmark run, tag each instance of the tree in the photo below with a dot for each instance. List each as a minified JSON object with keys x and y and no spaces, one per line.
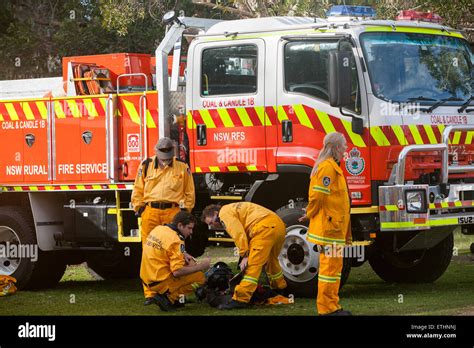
{"x":36,"y":34}
{"x":119,"y":15}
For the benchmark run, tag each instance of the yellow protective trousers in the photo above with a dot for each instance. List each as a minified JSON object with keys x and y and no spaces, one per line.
{"x":176,"y":287}
{"x":265,"y":245}
{"x":329,"y":279}
{"x":151,"y":218}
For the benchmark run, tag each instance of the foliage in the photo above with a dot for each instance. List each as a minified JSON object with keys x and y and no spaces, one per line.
{"x":119,"y":15}
{"x":36,"y":34}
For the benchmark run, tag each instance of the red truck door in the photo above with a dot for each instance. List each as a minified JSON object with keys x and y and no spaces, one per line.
{"x":227,"y":121}
{"x":305,"y":115}
{"x":137,"y":131}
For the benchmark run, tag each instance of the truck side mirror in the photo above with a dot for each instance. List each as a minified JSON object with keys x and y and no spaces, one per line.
{"x":340,"y":75}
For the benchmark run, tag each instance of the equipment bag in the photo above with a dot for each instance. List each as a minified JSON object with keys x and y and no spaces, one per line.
{"x":216,"y":290}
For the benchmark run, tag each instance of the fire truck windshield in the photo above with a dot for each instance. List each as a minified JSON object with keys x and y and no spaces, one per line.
{"x":427,"y":68}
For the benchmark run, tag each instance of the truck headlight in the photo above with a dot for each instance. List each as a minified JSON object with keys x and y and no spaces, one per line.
{"x":416,"y":201}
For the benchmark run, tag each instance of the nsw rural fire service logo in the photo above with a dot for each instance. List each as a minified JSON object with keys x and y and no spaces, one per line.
{"x":355,"y":164}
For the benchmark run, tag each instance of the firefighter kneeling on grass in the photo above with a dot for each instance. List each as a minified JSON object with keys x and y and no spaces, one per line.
{"x":163,"y":186}
{"x":329,"y":213}
{"x":258,"y":234}
{"x":165,"y":269}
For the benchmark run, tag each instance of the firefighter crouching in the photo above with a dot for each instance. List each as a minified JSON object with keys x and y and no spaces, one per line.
{"x":329,"y":214}
{"x":166,"y":269}
{"x":258,"y":234}
{"x":163,"y":186}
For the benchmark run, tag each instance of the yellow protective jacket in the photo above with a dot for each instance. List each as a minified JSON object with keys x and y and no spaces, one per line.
{"x":239,"y":220}
{"x":329,"y":206}
{"x":7,"y":285}
{"x":163,"y":254}
{"x":172,"y":184}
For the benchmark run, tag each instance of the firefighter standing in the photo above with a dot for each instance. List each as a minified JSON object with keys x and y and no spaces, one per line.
{"x":258,"y":234}
{"x":329,"y":214}
{"x":166,"y":270}
{"x":163,"y":186}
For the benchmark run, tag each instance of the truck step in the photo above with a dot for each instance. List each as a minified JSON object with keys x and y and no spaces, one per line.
{"x":220,"y":240}
{"x":230,"y":240}
{"x":121,"y":237}
{"x":362,"y":243}
{"x":227,"y":198}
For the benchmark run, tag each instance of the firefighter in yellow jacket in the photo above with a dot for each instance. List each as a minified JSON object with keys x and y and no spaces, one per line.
{"x":166,"y":270}
{"x":329,"y":213}
{"x":163,"y":187}
{"x":258,"y":234}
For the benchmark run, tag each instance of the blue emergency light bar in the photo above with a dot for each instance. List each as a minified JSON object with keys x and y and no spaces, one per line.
{"x":352,"y":11}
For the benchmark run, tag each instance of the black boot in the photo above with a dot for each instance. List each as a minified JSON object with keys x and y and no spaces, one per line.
{"x":340,"y":312}
{"x":178,"y":304}
{"x":234,"y":305}
{"x":282,"y":292}
{"x":149,"y":301}
{"x":162,"y":301}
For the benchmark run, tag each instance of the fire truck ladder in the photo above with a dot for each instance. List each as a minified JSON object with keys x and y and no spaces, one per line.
{"x":134,"y":235}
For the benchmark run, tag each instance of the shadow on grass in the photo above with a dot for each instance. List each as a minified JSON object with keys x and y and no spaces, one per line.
{"x":364,"y":294}
{"x":101,"y":285}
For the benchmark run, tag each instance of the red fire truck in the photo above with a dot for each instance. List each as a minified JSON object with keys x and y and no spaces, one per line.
{"x":260,"y":95}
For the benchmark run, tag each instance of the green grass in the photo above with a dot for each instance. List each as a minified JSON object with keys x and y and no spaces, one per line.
{"x":364,"y":294}
{"x":461,"y":241}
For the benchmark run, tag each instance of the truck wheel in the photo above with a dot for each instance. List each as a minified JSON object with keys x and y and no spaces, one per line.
{"x":121,"y":262}
{"x":299,"y":258}
{"x":418,"y":266}
{"x":39,"y":269}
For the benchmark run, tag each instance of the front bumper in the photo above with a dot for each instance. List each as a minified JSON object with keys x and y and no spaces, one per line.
{"x":405,"y":206}
{"x":450,"y":211}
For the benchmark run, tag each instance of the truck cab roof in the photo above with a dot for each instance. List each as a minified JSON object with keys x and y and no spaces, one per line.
{"x":268,"y":24}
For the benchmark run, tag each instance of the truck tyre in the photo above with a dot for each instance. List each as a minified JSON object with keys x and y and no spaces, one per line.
{"x":121,"y":262}
{"x":299,"y":258}
{"x":16,"y":227}
{"x":418,"y":266}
